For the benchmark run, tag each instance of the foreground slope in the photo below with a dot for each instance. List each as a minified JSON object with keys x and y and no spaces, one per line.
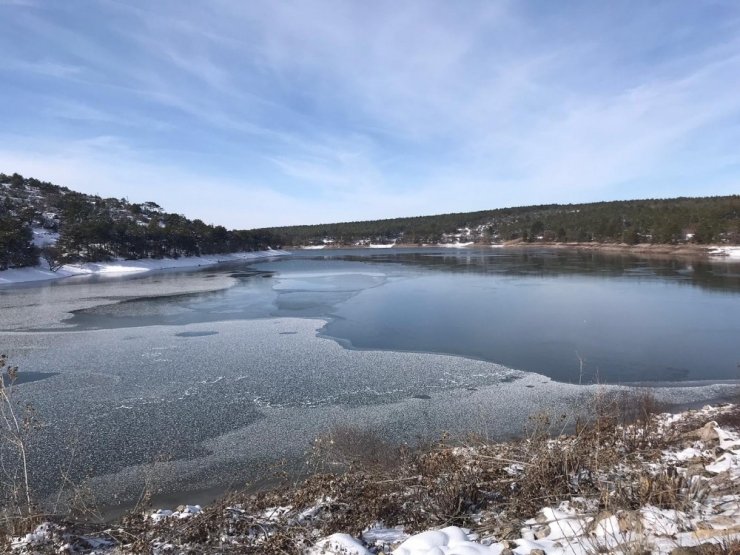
{"x":666,"y":483}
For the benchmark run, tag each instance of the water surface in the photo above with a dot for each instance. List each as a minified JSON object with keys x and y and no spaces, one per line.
{"x":575,"y":317}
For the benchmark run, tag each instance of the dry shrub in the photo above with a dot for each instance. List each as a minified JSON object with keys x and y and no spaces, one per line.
{"x":372,"y":480}
{"x":728,"y":547}
{"x":447,"y":490}
{"x":18,"y":509}
{"x":555,"y":467}
{"x":665,"y":490}
{"x":730,"y":418}
{"x":637,"y":411}
{"x":391,"y":483}
{"x":624,"y":417}
{"x":346,"y":446}
{"x":616,"y":427}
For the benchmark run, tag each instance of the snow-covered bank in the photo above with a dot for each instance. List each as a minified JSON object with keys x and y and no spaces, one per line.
{"x":455,"y":245}
{"x":38,"y":273}
{"x":725,"y":252}
{"x":697,"y":504}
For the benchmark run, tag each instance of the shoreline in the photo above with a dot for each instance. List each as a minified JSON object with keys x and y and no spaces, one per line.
{"x":20,"y":276}
{"x":713,"y":252}
{"x":37,"y":274}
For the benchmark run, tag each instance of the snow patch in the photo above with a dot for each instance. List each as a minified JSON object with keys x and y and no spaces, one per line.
{"x":185,"y":511}
{"x":725,"y":252}
{"x":43,"y":237}
{"x":380,"y":536}
{"x":455,"y":245}
{"x":339,"y":544}
{"x":23,"y":275}
{"x":448,"y":541}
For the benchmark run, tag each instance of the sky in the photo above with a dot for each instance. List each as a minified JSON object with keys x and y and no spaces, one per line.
{"x":261,"y":113}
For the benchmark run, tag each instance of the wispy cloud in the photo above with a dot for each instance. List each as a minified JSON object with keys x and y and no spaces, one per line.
{"x":317,"y":110}
{"x":42,"y":67}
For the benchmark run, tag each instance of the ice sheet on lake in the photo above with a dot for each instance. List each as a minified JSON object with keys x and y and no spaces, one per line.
{"x":258,"y":390}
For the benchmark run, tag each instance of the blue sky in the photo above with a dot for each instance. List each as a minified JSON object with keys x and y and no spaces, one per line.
{"x":257,"y":113}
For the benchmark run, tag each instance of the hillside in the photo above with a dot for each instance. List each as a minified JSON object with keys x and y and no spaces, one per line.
{"x":667,"y":221}
{"x":38,"y":218}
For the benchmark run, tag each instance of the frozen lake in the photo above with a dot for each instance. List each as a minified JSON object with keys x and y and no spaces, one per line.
{"x":218,"y":373}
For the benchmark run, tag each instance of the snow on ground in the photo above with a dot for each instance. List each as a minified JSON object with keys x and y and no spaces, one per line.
{"x":384,"y":246}
{"x":447,"y":541}
{"x":42,"y":533}
{"x":455,"y":245}
{"x":380,"y":536}
{"x":313,"y":247}
{"x":48,"y":534}
{"x":725,"y":252}
{"x":38,"y":273}
{"x":184,"y":511}
{"x":43,"y":237}
{"x":339,"y":543}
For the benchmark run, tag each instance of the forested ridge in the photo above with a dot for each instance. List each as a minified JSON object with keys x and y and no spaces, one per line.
{"x":702,"y":220}
{"x":87,"y":228}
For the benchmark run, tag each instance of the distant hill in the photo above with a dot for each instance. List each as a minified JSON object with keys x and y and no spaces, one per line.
{"x":701,"y":220}
{"x":39,"y":218}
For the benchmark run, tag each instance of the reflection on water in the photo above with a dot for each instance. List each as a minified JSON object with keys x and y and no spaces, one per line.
{"x":699,"y":272}
{"x":627,"y":319}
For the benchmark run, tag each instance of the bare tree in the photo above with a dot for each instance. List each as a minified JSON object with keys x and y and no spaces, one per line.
{"x":52,"y":256}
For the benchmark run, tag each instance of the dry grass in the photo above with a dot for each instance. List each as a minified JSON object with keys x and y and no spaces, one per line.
{"x":730,"y":418}
{"x":18,"y":510}
{"x":617,"y":427}
{"x":724,"y":548}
